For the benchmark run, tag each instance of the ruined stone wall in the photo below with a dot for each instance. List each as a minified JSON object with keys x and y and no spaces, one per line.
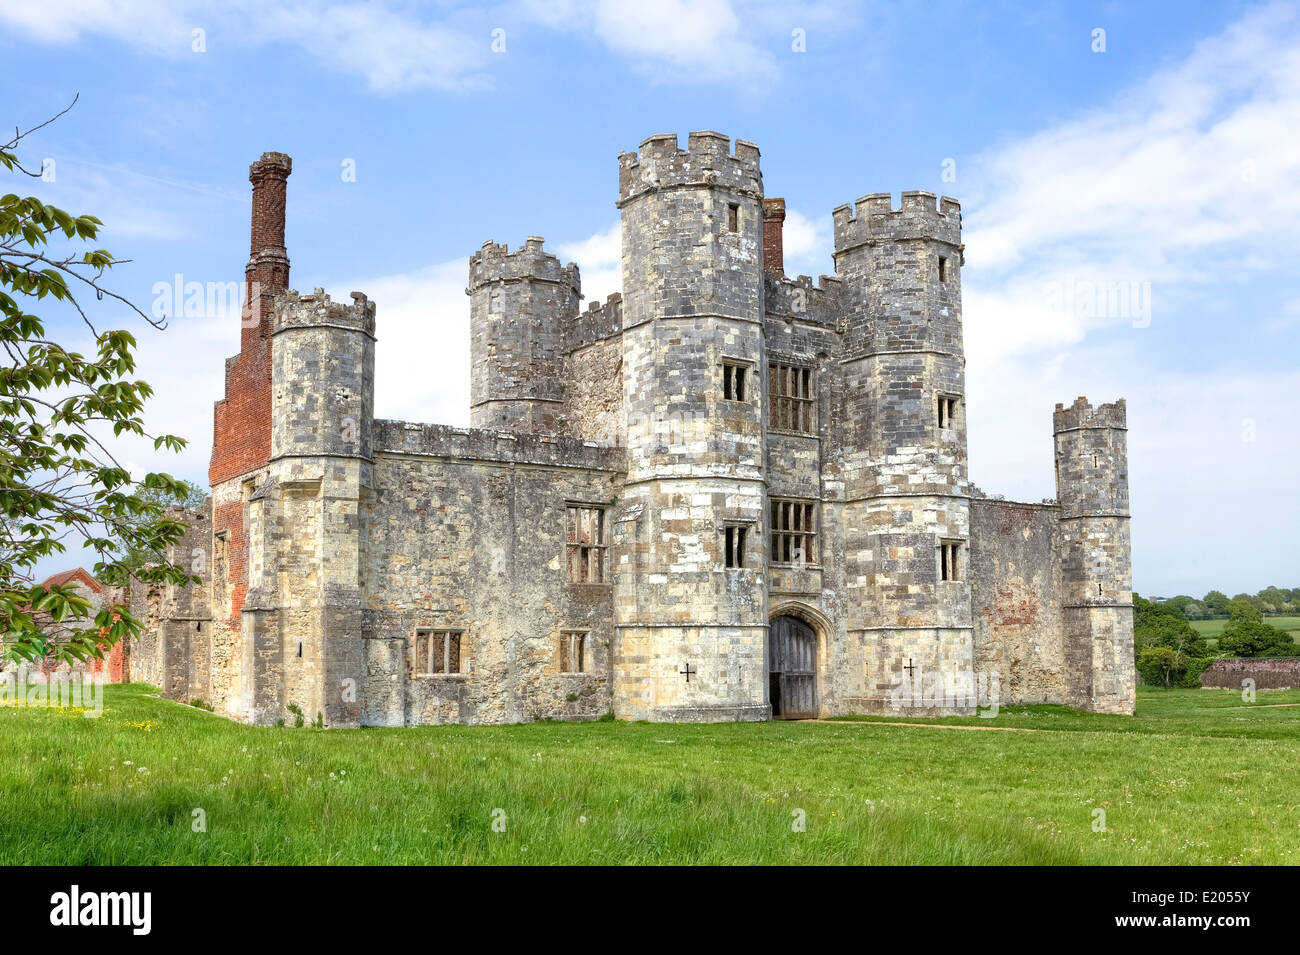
{"x":467,"y":532}
{"x":229,"y":562}
{"x":1281,"y":673}
{"x":1017,"y":595}
{"x":174,"y":651}
{"x":147,"y":653}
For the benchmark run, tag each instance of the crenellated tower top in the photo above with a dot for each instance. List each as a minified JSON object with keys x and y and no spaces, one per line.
{"x":707,"y":160}
{"x":316,"y":309}
{"x":1083,"y":415}
{"x":873,"y":218}
{"x":496,"y":263}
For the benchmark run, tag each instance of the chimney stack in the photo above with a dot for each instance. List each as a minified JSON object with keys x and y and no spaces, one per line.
{"x":267,"y":273}
{"x":773,"y":223}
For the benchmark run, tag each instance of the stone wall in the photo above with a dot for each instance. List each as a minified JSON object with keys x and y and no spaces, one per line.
{"x":467,"y":532}
{"x":1269,"y":673}
{"x":174,"y":651}
{"x":1017,"y":595}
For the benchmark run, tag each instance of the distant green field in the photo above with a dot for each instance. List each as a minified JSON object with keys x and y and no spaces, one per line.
{"x":1213,"y":629}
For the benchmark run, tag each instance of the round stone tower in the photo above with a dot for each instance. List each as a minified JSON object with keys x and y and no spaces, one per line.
{"x":520,"y":304}
{"x":1092,"y":488}
{"x":690,"y":596}
{"x":903,"y":434}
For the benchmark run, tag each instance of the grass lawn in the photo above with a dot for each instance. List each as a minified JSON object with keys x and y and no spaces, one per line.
{"x":1213,"y":629}
{"x":1196,"y":777}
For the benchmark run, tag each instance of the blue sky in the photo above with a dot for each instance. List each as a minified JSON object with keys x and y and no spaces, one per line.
{"x":1166,"y":166}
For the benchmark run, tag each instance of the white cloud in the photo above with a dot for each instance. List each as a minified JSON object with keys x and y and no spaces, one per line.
{"x":153,"y":25}
{"x":600,"y":261}
{"x":806,"y":244}
{"x":1195,"y":157}
{"x":422,"y":353}
{"x":390,"y":46}
{"x":707,"y":37}
{"x":1188,"y":185}
{"x":397,"y":46}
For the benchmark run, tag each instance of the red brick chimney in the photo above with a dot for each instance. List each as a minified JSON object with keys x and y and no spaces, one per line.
{"x":241,"y":422}
{"x":267,"y":273}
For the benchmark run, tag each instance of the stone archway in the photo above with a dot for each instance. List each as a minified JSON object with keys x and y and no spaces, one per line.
{"x":792,"y":668}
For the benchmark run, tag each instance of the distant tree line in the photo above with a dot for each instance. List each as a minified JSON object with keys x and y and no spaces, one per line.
{"x":1169,"y":652}
{"x":1270,"y":602}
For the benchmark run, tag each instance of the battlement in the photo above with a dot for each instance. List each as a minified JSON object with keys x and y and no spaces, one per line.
{"x":496,"y":263}
{"x":306,"y":311}
{"x":490,"y":445}
{"x":599,"y":322}
{"x":799,"y":298}
{"x":1083,"y":415}
{"x":873,"y":218}
{"x":706,"y":161}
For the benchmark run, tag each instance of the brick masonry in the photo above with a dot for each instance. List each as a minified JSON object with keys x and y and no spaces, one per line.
{"x":342,"y":554}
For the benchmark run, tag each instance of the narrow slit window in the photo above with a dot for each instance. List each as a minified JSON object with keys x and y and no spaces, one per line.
{"x":585,"y":544}
{"x":734,"y":545}
{"x":733,"y":381}
{"x":947,"y":411}
{"x":949,"y":560}
{"x":943,"y":269}
{"x":733,"y":217}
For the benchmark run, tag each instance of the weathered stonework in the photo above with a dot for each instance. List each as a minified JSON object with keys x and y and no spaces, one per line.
{"x":648,"y":484}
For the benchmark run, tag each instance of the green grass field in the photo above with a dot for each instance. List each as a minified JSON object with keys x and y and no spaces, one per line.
{"x":1196,"y":777}
{"x":1213,"y":629}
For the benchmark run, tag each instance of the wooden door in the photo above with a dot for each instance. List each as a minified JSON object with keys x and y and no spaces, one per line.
{"x":792,"y":669}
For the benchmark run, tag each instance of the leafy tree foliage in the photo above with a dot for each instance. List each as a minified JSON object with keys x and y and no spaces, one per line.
{"x":1161,"y":625}
{"x":1241,"y":609}
{"x":1163,"y":660}
{"x":1244,"y":637}
{"x":1168,"y":651}
{"x":58,"y":479}
{"x":185,"y":494}
{"x":1217,"y":602}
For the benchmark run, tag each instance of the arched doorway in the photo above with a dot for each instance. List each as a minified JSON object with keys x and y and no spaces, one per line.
{"x":792,"y":669}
